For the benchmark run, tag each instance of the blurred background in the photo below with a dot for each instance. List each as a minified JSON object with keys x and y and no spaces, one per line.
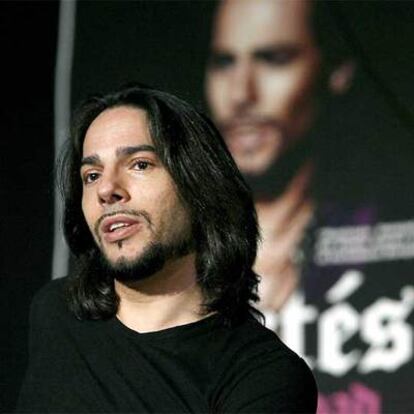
{"x":316,"y":102}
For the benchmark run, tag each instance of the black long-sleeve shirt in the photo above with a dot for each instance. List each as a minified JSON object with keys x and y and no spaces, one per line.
{"x":203,"y":367}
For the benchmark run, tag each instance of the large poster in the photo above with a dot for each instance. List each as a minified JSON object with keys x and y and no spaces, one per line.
{"x":313,"y":100}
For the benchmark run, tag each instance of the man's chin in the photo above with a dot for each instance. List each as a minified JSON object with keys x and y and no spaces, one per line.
{"x":248,"y":164}
{"x":145,"y":264}
{"x":132,"y":269}
{"x":120,"y":261}
{"x":271,"y":181}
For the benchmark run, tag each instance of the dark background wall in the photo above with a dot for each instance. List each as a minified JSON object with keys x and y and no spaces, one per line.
{"x":161,"y":43}
{"x":28,"y":42}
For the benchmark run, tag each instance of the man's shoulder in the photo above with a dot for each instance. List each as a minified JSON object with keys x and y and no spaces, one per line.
{"x":50,"y":296}
{"x":250,"y":342}
{"x":266,"y":352}
{"x":51,"y":289}
{"x":253,"y":332}
{"x":265,"y":374}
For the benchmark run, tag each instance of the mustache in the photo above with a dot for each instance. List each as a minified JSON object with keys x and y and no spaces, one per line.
{"x":142,"y":214}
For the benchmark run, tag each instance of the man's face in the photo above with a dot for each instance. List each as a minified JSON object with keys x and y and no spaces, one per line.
{"x":262,"y":78}
{"x":129,"y":199}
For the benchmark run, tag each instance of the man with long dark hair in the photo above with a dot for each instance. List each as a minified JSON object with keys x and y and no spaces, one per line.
{"x":158,"y":315}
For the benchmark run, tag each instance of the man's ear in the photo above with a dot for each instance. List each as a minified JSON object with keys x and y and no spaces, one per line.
{"x":340,"y":79}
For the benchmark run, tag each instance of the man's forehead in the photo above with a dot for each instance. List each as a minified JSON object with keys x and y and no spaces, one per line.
{"x":257,"y":23}
{"x":117,"y":127}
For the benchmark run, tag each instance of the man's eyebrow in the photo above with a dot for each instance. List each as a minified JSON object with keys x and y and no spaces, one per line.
{"x":217,"y":50}
{"x":125,"y":151}
{"x":277,"y":47}
{"x":120,"y":152}
{"x":90,"y":160}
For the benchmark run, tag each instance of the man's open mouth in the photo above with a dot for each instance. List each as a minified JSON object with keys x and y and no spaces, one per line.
{"x":118,"y":228}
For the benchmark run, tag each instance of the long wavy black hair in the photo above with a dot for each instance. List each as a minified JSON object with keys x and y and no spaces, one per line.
{"x":224,"y":224}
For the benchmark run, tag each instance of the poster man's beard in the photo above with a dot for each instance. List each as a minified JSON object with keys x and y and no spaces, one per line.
{"x":274,"y":180}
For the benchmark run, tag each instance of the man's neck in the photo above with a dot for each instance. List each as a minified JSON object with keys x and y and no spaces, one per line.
{"x":169,"y":298}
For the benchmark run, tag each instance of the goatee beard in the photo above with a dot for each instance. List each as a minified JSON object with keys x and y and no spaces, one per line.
{"x":149,"y":262}
{"x":273,"y":182}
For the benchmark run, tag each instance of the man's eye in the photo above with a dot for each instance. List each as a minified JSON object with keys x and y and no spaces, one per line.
{"x":277,"y":57}
{"x":219,"y":61}
{"x":141,"y":165}
{"x":90,"y":177}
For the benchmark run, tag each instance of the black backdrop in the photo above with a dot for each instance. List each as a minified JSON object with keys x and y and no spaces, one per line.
{"x":28,"y":47}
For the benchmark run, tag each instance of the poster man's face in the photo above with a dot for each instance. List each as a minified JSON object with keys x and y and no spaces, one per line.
{"x":262,"y":78}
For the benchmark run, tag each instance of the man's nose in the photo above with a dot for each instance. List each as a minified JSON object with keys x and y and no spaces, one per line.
{"x":111,"y":189}
{"x":243,"y":88}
